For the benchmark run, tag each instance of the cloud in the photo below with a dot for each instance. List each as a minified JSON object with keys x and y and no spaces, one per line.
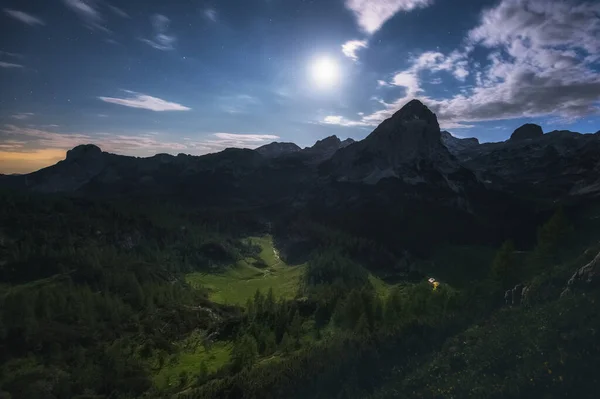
{"x":24,"y":17}
{"x":22,"y":115}
{"x":350,"y":48}
{"x":238,"y":104}
{"x":8,"y":54}
{"x":211,"y":14}
{"x":144,"y":101}
{"x":542,"y":61}
{"x":341,"y":121}
{"x":10,"y":65}
{"x":372,"y":14}
{"x":88,"y":11}
{"x":162,"y":40}
{"x":25,"y":149}
{"x":117,"y":11}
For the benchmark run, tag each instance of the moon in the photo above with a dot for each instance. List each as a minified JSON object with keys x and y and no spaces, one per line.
{"x":324,"y":72}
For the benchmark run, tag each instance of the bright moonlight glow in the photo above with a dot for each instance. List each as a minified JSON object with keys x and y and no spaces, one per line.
{"x":325,"y":72}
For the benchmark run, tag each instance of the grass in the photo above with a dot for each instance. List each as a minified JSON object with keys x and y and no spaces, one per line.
{"x":240,"y":281}
{"x":189,"y":362}
{"x":381,"y":287}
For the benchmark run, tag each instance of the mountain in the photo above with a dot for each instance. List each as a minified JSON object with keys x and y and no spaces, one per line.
{"x":275,"y":149}
{"x":560,"y":165}
{"x":408,"y":147}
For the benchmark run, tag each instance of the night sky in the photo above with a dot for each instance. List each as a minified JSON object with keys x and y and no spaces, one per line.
{"x":151,"y":76}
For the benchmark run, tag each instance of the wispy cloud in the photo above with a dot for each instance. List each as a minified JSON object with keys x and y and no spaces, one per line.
{"x":211,"y":14}
{"x":341,"y":121}
{"x":24,"y":17}
{"x":350,"y":48}
{"x":9,"y":54}
{"x":88,"y":11}
{"x":22,"y":115}
{"x":161,"y":40}
{"x":117,"y":11}
{"x":10,"y":65}
{"x":245,"y":138}
{"x":238,"y":103}
{"x":24,"y":149}
{"x":372,"y":14}
{"x":144,"y":101}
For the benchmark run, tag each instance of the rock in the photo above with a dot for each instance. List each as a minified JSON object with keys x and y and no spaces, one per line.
{"x":586,"y":277}
{"x":525,"y":295}
{"x":516,"y":296}
{"x":85,"y":151}
{"x":347,"y":142}
{"x":275,"y":149}
{"x":527,"y":131}
{"x":456,"y":145}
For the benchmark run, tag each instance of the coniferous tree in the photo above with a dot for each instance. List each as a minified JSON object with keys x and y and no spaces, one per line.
{"x":504,"y":268}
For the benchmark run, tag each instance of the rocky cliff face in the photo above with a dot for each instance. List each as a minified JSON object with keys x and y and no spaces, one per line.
{"x":408,"y":147}
{"x":455,"y":144}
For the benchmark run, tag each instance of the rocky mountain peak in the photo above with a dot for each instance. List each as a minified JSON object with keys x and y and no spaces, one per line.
{"x":527,"y":131}
{"x":415,"y":109}
{"x":84,"y":151}
{"x":406,"y":146}
{"x":328,"y":143}
{"x":411,"y":133}
{"x":277,"y":149}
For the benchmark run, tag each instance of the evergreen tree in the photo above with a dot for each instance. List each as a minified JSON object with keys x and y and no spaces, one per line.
{"x":295,"y":327}
{"x":286,"y":345}
{"x":244,"y":353}
{"x":504,"y":268}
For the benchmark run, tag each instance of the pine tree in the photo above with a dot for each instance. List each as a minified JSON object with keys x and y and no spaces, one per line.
{"x":244,"y":353}
{"x":286,"y":345}
{"x":504,"y":268}
{"x":295,"y":327}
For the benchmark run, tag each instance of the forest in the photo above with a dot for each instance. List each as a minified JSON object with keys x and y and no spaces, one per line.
{"x":117,"y":299}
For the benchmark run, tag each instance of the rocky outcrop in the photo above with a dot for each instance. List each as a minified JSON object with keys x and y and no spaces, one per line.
{"x":586,"y":277}
{"x":517,"y":295}
{"x":84,"y":152}
{"x":455,"y":144}
{"x":527,"y":131}
{"x":275,"y":149}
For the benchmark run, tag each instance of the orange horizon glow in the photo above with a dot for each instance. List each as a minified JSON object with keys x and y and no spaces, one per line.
{"x":27,"y":162}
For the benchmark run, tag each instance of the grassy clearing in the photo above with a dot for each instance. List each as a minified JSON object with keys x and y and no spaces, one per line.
{"x":240,"y":281}
{"x":189,"y":362}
